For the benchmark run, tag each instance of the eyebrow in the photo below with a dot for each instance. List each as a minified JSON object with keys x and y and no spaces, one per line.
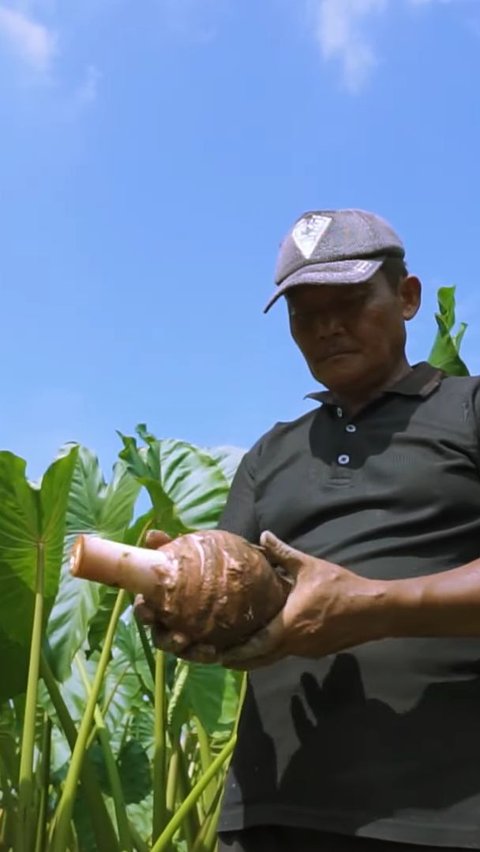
{"x":344,"y":291}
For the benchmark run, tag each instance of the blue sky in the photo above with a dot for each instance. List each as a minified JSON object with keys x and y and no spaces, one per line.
{"x":152,"y":156}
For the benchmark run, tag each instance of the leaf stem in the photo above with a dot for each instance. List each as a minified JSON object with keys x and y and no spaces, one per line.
{"x":191,"y":824}
{"x":105,"y":836}
{"x":111,"y":766}
{"x":44,"y":785}
{"x":205,"y":757}
{"x":25,"y":784}
{"x":147,"y":650}
{"x":162,"y":843}
{"x":65,"y":806}
{"x":159,"y":755}
{"x":172,"y":779}
{"x":207,"y":836}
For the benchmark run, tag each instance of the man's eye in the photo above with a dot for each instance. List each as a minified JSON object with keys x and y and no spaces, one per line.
{"x":300,"y":316}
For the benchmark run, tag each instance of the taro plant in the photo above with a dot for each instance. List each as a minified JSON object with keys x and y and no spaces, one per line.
{"x":105,"y":744}
{"x":445,"y":352}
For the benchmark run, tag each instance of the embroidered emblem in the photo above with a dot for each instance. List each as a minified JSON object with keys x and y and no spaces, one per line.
{"x":308,"y":232}
{"x":363,"y":266}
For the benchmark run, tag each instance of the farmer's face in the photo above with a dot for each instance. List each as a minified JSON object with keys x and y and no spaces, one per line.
{"x":353,"y":336}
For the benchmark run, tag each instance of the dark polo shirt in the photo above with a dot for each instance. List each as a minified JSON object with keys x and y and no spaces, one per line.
{"x":383,"y":740}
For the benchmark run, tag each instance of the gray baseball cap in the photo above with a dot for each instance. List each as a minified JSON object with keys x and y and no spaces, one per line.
{"x":334,"y":247}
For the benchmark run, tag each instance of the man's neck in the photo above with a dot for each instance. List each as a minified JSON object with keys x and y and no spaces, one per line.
{"x":359,"y":398}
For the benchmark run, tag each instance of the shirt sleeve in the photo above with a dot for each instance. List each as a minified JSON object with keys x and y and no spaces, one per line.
{"x":239,"y":515}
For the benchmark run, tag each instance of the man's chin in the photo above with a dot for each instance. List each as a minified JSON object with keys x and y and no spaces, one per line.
{"x":336,"y":373}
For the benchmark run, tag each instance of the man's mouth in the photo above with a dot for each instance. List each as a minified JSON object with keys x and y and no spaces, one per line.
{"x":329,"y":354}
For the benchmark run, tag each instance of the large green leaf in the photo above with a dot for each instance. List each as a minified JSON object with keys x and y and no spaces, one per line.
{"x":209,"y":692}
{"x":128,"y":652}
{"x":184,"y":483}
{"x":93,"y":507}
{"x":445,"y":352}
{"x":133,"y":768}
{"x":128,"y":690}
{"x":134,"y":771}
{"x":32,"y":529}
{"x":140,"y":816}
{"x":187,"y":486}
{"x":228,"y":458}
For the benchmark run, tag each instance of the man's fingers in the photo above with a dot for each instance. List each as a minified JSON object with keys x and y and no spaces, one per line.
{"x":279,"y":553}
{"x":201,"y":654}
{"x":167,"y":640}
{"x":177,"y":643}
{"x":253,"y":648}
{"x":155,"y":539}
{"x":171,"y":641}
{"x":255,"y":663}
{"x":143,"y":611}
{"x":262,"y":644}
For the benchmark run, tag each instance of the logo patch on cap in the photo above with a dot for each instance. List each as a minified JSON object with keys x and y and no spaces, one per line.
{"x":364,"y":266}
{"x":308,"y":232}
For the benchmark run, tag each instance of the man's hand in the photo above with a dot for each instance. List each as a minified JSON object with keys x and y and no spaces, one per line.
{"x":329,"y":609}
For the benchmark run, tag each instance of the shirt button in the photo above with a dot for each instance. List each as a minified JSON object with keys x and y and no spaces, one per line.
{"x":350,"y":428}
{"x":344,"y":459}
{"x":339,"y":412}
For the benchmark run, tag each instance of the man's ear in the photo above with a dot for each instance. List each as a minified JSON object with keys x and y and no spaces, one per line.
{"x":410,"y":293}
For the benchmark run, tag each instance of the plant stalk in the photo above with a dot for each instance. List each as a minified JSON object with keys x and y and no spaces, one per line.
{"x":40,"y":841}
{"x":65,"y":806}
{"x":160,"y":750}
{"x":104,"y":832}
{"x":138,"y":841}
{"x":25,"y":819}
{"x":162,"y":843}
{"x":205,"y":758}
{"x":207,"y":836}
{"x":111,"y":766}
{"x":172,"y":780}
{"x":147,"y":650}
{"x":191,"y":824}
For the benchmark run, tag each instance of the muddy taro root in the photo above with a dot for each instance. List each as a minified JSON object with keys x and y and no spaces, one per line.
{"x":211,"y":585}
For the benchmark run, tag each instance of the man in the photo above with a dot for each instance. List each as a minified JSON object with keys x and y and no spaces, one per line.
{"x":361,"y":724}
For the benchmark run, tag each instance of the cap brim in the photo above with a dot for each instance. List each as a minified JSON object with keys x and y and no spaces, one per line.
{"x":337,"y":273}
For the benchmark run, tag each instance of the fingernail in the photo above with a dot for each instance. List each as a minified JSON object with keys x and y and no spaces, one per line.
{"x":178,"y":641}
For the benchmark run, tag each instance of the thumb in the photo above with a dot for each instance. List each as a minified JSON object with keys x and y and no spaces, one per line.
{"x":280,"y":553}
{"x":155,"y":539}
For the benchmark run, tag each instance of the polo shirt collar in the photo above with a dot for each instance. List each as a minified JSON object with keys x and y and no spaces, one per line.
{"x":420,"y":381}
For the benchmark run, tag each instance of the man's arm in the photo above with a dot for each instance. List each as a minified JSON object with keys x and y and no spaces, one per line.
{"x":445,"y":604}
{"x":331,"y":609}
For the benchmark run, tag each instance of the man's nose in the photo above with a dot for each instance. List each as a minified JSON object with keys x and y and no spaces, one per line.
{"x":327,"y":325}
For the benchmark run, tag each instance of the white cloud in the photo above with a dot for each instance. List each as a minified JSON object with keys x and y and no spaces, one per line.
{"x":30,"y":41}
{"x":34,"y":47}
{"x":341,"y":35}
{"x":343,"y":32}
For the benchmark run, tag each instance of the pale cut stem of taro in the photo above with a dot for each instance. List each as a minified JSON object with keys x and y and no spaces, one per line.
{"x":136,"y":569}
